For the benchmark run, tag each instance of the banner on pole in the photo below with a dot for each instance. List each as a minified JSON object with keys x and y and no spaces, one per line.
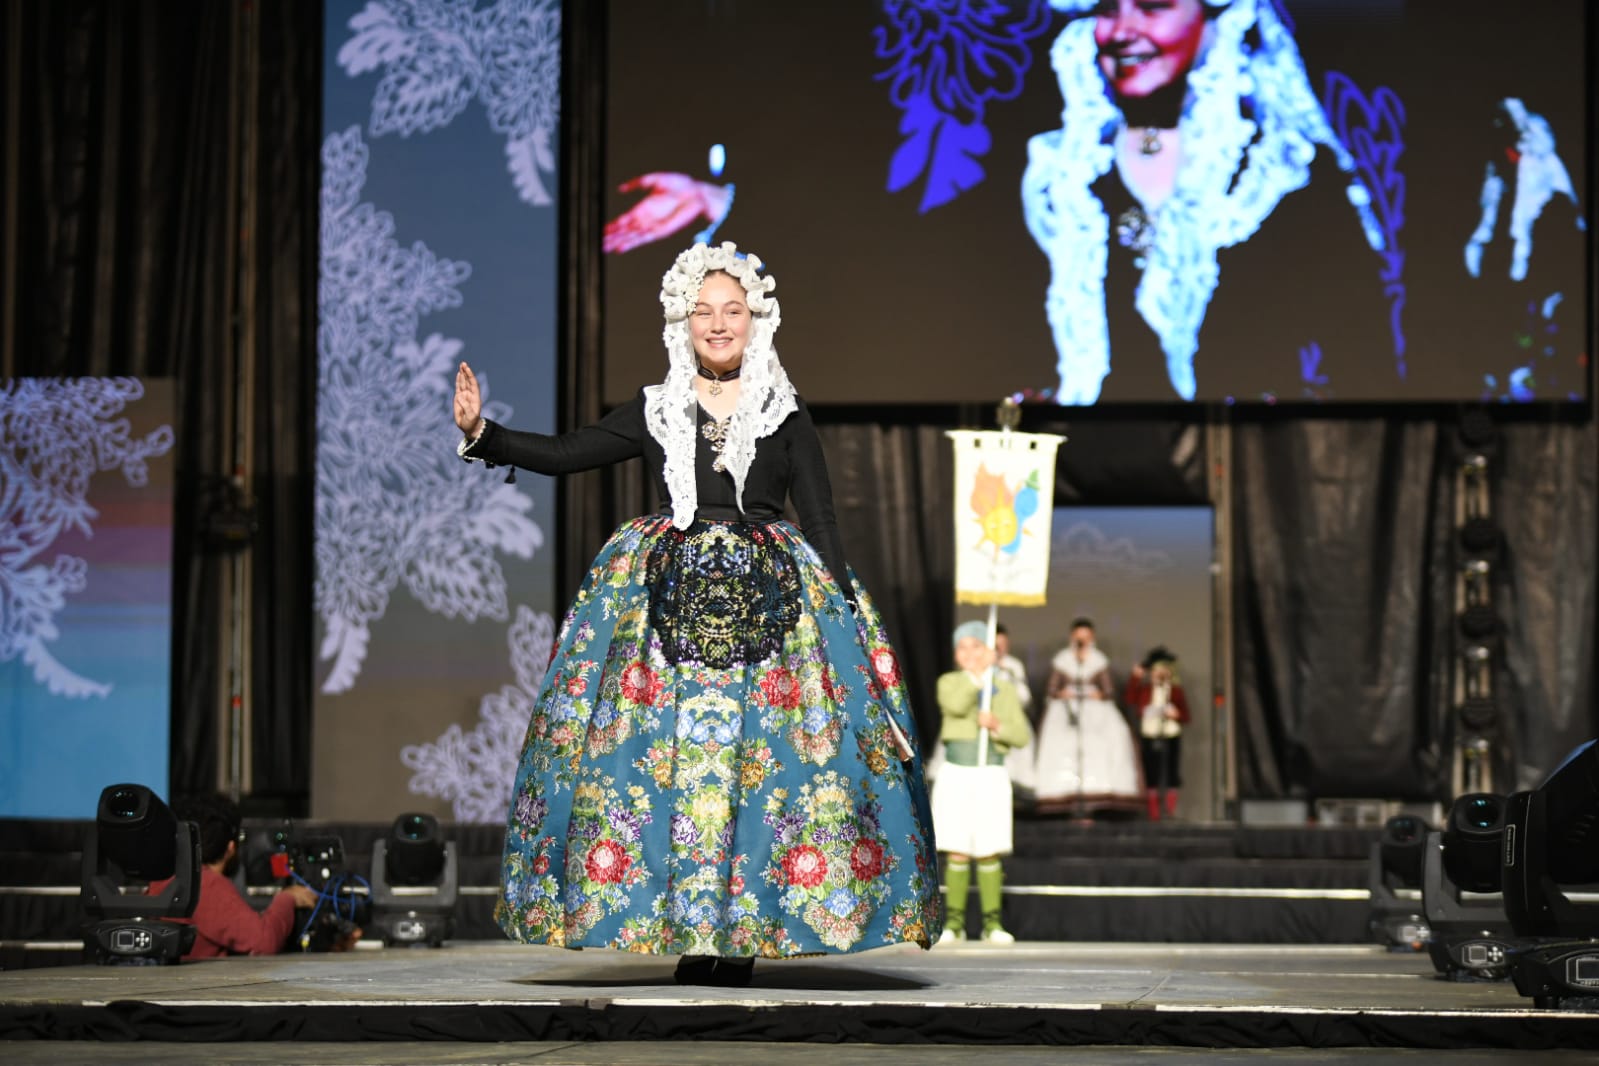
{"x":1004,"y":499}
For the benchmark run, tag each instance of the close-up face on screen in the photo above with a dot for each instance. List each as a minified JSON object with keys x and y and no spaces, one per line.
{"x":1086,"y":202}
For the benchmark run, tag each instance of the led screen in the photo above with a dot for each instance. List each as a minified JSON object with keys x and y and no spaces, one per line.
{"x":1085,"y":202}
{"x":434,"y":577}
{"x":86,"y":470}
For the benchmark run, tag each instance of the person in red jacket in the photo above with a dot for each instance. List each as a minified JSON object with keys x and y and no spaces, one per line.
{"x":1155,"y":699}
{"x":224,"y":921}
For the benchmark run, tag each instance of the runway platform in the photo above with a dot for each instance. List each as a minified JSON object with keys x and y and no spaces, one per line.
{"x":1028,"y":995}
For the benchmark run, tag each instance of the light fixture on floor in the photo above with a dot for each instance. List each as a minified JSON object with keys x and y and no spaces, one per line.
{"x":137,"y":839}
{"x":1461,"y":892}
{"x":1552,"y":848}
{"x":415,"y":878}
{"x":1394,"y":880}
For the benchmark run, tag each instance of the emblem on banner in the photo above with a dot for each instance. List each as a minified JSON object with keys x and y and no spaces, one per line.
{"x":1004,"y":493}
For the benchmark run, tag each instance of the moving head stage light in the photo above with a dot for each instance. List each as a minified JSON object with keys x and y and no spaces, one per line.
{"x":1551,"y":848}
{"x":1471,"y":937}
{"x":415,"y":877}
{"x":1552,"y":840}
{"x":137,"y":839}
{"x":1394,"y":881}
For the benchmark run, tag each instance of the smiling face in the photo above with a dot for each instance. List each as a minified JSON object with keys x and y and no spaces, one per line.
{"x":972,"y":655}
{"x":720,"y":323}
{"x":1147,"y":45}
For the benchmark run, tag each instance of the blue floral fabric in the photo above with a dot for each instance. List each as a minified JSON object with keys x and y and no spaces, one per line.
{"x":712,"y":765}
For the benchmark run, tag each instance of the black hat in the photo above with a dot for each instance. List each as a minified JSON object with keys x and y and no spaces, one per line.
{"x":1159,"y":654}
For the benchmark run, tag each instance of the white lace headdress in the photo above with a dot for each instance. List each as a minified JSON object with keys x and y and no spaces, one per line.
{"x":1207,"y":211}
{"x":765,"y":396}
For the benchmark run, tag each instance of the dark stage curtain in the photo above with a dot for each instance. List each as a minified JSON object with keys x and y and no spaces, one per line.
{"x":1337,"y":549}
{"x":1344,"y":568}
{"x":1546,"y":489}
{"x":591,"y":504}
{"x":1114,"y":460}
{"x":164,"y":172}
{"x":284,"y":176}
{"x":892,"y":489}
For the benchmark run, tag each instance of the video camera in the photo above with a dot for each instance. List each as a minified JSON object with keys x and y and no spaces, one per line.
{"x":318,"y":862}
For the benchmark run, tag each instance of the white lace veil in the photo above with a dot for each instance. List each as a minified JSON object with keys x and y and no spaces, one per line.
{"x":1228,"y":184}
{"x":765,"y":396}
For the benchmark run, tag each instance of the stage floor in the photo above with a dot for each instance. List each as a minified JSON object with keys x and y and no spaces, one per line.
{"x":1151,"y":996}
{"x":719,"y":1053}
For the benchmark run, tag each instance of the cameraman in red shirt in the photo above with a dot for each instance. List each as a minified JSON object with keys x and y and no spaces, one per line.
{"x":224,"y":921}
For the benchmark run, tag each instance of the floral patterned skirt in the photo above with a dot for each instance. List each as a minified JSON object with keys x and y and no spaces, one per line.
{"x":714,"y":764}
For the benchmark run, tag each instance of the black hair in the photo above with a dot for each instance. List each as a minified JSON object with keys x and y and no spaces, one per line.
{"x":218,"y":819}
{"x":1000,"y":630}
{"x":1082,"y":623}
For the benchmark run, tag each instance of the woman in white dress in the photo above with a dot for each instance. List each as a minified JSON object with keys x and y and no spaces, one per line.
{"x":1087,"y":759}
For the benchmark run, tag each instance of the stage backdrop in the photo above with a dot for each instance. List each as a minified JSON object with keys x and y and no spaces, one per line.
{"x":1142,"y":574}
{"x":85,"y":590}
{"x":433,"y":577}
{"x":933,"y":185}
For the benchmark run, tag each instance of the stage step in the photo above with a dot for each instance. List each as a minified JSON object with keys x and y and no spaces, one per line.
{"x":1067,"y":881}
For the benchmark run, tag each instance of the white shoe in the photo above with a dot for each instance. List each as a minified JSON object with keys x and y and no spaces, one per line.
{"x":998,"y":936}
{"x":949,"y":936}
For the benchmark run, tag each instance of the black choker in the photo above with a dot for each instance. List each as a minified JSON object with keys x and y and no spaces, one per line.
{"x":717,"y":379}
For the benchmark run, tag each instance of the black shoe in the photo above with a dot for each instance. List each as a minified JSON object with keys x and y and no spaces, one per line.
{"x":733,"y":973}
{"x":695,"y":970}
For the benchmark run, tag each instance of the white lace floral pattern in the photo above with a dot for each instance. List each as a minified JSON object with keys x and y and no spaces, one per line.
{"x":475,"y":771}
{"x":393,"y":504}
{"x":439,"y":55}
{"x":55,"y":434}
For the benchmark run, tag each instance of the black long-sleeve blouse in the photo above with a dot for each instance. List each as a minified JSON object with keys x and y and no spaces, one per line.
{"x":788,"y":462}
{"x":1307,"y":280}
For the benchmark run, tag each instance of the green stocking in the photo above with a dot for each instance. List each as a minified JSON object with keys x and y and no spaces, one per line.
{"x":990,"y":876}
{"x":957,"y":882}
